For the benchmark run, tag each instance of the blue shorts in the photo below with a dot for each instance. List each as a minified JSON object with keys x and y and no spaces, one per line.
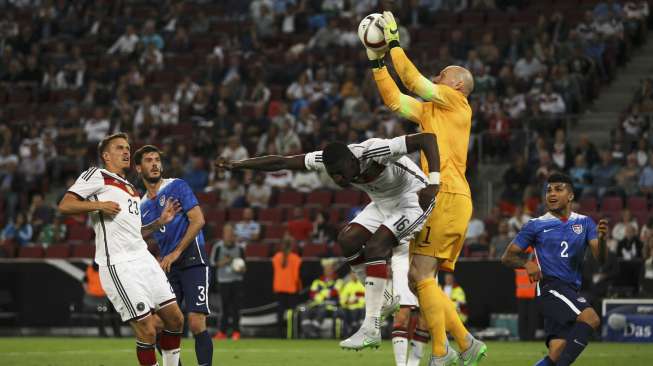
{"x":191,"y":286}
{"x":560,"y":304}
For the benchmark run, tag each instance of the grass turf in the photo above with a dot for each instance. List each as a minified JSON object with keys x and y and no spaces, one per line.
{"x":31,"y":351}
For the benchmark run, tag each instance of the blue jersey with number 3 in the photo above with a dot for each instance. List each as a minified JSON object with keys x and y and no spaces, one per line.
{"x":169,"y":236}
{"x":559,"y":245}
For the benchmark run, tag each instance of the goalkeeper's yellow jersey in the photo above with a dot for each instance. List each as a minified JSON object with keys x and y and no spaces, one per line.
{"x":446,"y":113}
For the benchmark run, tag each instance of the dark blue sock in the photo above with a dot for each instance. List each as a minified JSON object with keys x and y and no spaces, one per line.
{"x":204,"y":349}
{"x":546,"y":361}
{"x":576,"y":342}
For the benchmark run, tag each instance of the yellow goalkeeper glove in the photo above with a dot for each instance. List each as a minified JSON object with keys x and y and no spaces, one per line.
{"x":390,"y":30}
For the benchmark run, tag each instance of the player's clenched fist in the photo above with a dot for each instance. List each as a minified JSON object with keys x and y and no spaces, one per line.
{"x":109,"y":208}
{"x":223,"y":163}
{"x":427,"y":195}
{"x":602,"y":228}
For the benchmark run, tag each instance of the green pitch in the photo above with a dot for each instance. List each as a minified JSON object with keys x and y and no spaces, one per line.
{"x":29,"y":351}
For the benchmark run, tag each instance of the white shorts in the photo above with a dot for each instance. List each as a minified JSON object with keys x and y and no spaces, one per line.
{"x":404,"y":217}
{"x":400,"y":264}
{"x":136,"y":288}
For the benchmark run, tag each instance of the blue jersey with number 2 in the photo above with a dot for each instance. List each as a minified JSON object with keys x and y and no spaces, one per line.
{"x":559,"y":245}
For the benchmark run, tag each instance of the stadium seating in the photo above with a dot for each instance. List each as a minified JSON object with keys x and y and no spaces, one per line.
{"x":273,"y":233}
{"x":254,"y":250}
{"x":33,"y":251}
{"x":314,"y":250}
{"x":270,"y":215}
{"x":290,"y":198}
{"x":79,"y":233}
{"x":235,"y":214}
{"x":321,"y":199}
{"x":58,"y":251}
{"x":83,"y":251}
{"x":347,"y":197}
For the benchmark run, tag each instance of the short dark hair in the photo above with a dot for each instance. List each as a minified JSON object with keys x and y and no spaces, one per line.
{"x":334,"y":153}
{"x":138,"y":155}
{"x":558,"y":177}
{"x":104,"y":144}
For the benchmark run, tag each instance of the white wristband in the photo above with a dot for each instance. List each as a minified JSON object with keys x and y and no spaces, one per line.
{"x":434,"y":178}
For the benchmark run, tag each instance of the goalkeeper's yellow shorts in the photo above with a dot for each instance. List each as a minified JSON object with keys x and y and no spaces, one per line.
{"x":443,"y":234}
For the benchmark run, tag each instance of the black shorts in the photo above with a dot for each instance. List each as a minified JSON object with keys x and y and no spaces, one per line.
{"x":560,"y":304}
{"x":191,"y":287}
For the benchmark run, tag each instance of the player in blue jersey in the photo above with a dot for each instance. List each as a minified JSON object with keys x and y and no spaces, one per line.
{"x":181,"y":243}
{"x":559,"y":239}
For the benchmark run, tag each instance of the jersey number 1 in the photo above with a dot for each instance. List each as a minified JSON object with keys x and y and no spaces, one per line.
{"x":565,"y":247}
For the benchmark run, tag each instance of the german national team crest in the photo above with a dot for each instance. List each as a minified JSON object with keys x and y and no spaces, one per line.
{"x":578,"y":229}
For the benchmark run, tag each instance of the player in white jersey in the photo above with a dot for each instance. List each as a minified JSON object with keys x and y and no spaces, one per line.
{"x":129,"y":274}
{"x":402,"y":198}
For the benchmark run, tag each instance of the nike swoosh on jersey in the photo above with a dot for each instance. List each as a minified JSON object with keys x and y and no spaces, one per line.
{"x":578,"y":343}
{"x":199,"y":304}
{"x":547,"y":230}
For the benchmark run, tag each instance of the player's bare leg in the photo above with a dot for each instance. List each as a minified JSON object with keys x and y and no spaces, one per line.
{"x":170,"y":341}
{"x":577,"y":339}
{"x":377,"y":249}
{"x":203,"y":342}
{"x":145,"y":331}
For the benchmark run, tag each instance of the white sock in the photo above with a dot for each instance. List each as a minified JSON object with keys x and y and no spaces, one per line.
{"x":374,"y":287}
{"x":171,"y":356}
{"x":359,"y":270}
{"x":388,"y":292}
{"x":400,"y":348}
{"x":415,"y":354}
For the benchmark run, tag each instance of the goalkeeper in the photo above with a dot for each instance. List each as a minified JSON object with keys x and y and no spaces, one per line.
{"x":446,"y":113}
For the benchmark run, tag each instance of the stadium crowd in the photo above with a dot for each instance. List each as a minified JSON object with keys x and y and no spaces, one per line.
{"x":238,"y":79}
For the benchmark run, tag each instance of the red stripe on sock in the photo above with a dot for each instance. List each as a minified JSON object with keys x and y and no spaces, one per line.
{"x":377,"y":270}
{"x":399,"y":334}
{"x":169,"y":341}
{"x":146,"y":356}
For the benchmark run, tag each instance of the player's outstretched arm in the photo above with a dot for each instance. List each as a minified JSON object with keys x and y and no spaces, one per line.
{"x":513,"y":258}
{"x":402,"y":104}
{"x":269,"y":163}
{"x":598,"y":245}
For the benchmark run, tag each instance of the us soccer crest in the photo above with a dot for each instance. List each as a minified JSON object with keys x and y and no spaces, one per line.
{"x":162,"y":200}
{"x":578,"y":229}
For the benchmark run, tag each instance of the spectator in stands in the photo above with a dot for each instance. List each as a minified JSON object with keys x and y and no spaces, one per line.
{"x":473,"y":63}
{"x":234,"y":150}
{"x":457,"y":295}
{"x":500,"y":242}
{"x":230,"y":283}
{"x":352,"y":302}
{"x":196,"y":176}
{"x":287,"y":141}
{"x":628,"y":176}
{"x":168,"y":110}
{"x":286,"y":281}
{"x":498,"y":135}
{"x":561,"y":154}
{"x":630,"y":247}
{"x":604,"y":173}
{"x":53,"y":233}
{"x":528,"y":66}
{"x":646,"y":279}
{"x":586,"y":148}
{"x":646,"y":178}
{"x":619,"y":229}
{"x":551,"y":103}
{"x":96,"y":127}
{"x":40,"y":213}
{"x":180,"y":43}
{"x":490,"y":106}
{"x":186,"y":91}
{"x":146,"y":111}
{"x":478,"y":248}
{"x":634,"y":123}
{"x":517,"y":221}
{"x":514,"y":103}
{"x":258,"y":194}
{"x":646,"y":234}
{"x":458,"y":46}
{"x":233,"y":195}
{"x":516,"y":47}
{"x":323,"y":298}
{"x":247,"y":230}
{"x":475,"y":228}
{"x":306,"y":182}
{"x":488,"y":52}
{"x":604,"y":9}
{"x":323,"y":230}
{"x":580,"y":175}
{"x":150,"y":36}
{"x":126,"y":44}
{"x":53,"y":79}
{"x":152,"y":59}
{"x":484,"y":82}
{"x":32,"y":168}
{"x":18,"y":230}
{"x":300,"y":227}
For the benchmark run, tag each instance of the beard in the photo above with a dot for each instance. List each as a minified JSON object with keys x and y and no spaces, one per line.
{"x":151,"y":179}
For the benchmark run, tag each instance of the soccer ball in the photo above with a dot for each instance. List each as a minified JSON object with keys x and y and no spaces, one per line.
{"x":237,"y":264}
{"x":370,"y":32}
